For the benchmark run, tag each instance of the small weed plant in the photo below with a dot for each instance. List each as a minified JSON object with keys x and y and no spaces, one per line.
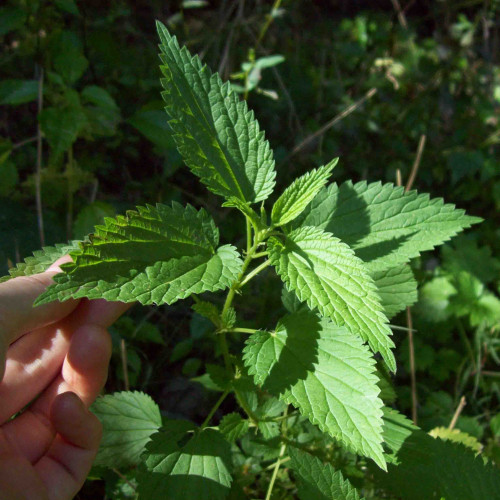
{"x":307,"y":390}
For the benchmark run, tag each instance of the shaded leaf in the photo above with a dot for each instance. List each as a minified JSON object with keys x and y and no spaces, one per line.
{"x":198,"y":469}
{"x":382,"y":223}
{"x":324,"y":272}
{"x":317,"y":480}
{"x":232,"y":426}
{"x":397,"y":288}
{"x":327,"y":373}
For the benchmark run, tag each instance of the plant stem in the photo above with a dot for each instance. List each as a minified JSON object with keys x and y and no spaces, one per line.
{"x":457,"y":413}
{"x":214,"y":409}
{"x":123,"y":355}
{"x":249,"y":234}
{"x":466,"y":341}
{"x":242,"y":330}
{"x":278,"y":462}
{"x":269,"y":20}
{"x":260,"y":254}
{"x":256,"y":271}
{"x":411,"y":348}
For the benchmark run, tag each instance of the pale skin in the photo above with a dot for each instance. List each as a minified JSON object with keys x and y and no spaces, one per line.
{"x":58,"y":354}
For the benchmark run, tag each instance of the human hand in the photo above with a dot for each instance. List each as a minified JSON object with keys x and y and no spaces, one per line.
{"x":59,"y":354}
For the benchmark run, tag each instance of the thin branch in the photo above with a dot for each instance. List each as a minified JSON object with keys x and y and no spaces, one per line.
{"x":399,"y":179}
{"x":400,"y":13}
{"x":123,"y":353}
{"x":121,"y":476}
{"x":20,"y":144}
{"x":409,"y":322}
{"x":332,"y":122}
{"x":38,"y":173}
{"x":411,"y":347}
{"x":416,"y":163}
{"x":215,"y":407}
{"x":256,"y":271}
{"x":457,"y":413}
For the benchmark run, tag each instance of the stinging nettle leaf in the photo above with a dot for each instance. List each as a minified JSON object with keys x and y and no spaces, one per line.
{"x":317,"y":480}
{"x":199,"y":469}
{"x":218,"y":137}
{"x":300,"y":193}
{"x":396,"y":287}
{"x":421,"y":466}
{"x":327,"y":373}
{"x":155,"y":255}
{"x":325,"y":272}
{"x":383,"y":224}
{"x":41,"y":260}
{"x":233,"y":426}
{"x":128,"y":420}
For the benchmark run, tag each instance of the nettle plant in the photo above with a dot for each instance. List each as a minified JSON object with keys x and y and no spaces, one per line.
{"x":308,"y":389}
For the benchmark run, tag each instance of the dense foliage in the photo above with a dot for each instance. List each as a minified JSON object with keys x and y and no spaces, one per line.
{"x":279,"y":396}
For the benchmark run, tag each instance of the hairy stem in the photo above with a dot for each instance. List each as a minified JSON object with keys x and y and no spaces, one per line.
{"x":214,"y":409}
{"x":278,"y":462}
{"x":242,"y":330}
{"x":256,"y":271}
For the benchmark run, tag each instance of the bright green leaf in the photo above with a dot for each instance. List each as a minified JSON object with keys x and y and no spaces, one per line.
{"x":128,"y":420}
{"x":300,"y":193}
{"x":383,"y":224}
{"x":434,"y":299}
{"x":317,"y":480}
{"x":324,"y":272}
{"x":327,"y":373}
{"x":41,"y":260}
{"x":396,"y":287}
{"x":155,"y":255}
{"x":457,"y":436}
{"x":197,"y":470}
{"x":217,"y":135}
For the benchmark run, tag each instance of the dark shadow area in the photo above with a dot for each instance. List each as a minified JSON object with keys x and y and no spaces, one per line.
{"x":350,"y":220}
{"x":381,"y":249}
{"x":421,"y":466}
{"x":298,"y":354}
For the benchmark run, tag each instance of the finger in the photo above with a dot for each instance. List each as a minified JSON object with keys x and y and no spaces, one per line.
{"x":32,"y":363}
{"x":17,"y":314}
{"x":18,"y":480}
{"x":99,"y":312}
{"x":84,"y":372}
{"x":34,"y":360}
{"x":66,"y":464}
